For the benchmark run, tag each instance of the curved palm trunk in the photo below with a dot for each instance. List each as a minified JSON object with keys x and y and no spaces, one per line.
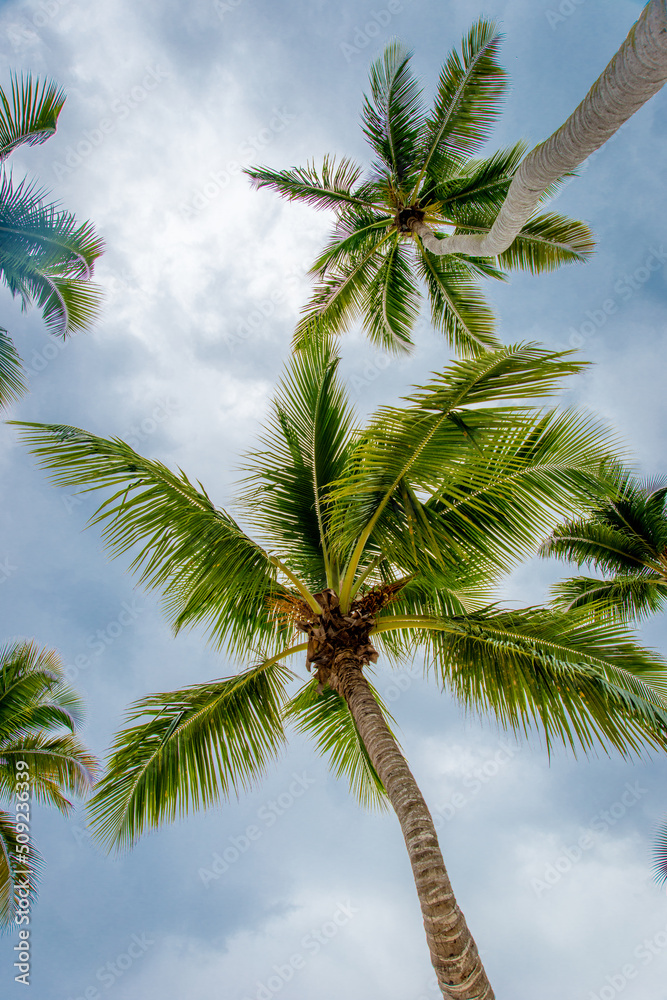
{"x":636,"y":73}
{"x":454,"y":955}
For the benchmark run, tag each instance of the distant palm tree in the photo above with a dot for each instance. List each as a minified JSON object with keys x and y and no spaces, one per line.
{"x":423,"y":170}
{"x":46,"y":257}
{"x":624,"y":536}
{"x":36,"y":758}
{"x":387,"y":538}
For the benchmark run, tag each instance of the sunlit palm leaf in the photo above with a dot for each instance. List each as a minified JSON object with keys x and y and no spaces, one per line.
{"x":332,"y":187}
{"x":12,"y":374}
{"x":660,"y":857}
{"x":20,"y":868}
{"x":393,"y":116}
{"x":457,"y":305}
{"x":30,"y":115}
{"x":392,"y":301}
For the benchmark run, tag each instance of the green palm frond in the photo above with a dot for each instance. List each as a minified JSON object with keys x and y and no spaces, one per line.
{"x":188,"y":749}
{"x":457,"y":305}
{"x":207,"y":567}
{"x":341,"y":295}
{"x":590,"y":541}
{"x":393,"y":116}
{"x":480,"y":186}
{"x":660,"y":857}
{"x":356,"y":231}
{"x":30,"y":115}
{"x":622,"y":597}
{"x":303,"y":451}
{"x":12,"y":373}
{"x":392,"y":301}
{"x":20,"y":867}
{"x":466,"y":104}
{"x":325,"y":717}
{"x":332,"y":187}
{"x":548,"y":241}
{"x":577,"y":683}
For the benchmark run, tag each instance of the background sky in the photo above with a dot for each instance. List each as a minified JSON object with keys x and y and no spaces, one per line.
{"x":165,"y":101}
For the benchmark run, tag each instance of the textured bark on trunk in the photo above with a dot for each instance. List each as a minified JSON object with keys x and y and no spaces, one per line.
{"x":454,"y":955}
{"x":636,"y":73}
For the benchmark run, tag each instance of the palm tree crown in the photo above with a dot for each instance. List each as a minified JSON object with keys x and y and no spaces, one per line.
{"x":384,"y":539}
{"x":424,"y":172}
{"x":46,"y":257}
{"x":35,"y":756}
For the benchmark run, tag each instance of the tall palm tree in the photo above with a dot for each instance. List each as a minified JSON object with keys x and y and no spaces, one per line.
{"x":384,"y":539}
{"x":428,"y":211}
{"x":46,"y":257}
{"x":424,"y":169}
{"x":36,"y":757}
{"x":625,"y":537}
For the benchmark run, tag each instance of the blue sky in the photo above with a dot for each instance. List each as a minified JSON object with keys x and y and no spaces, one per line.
{"x":293,"y":890}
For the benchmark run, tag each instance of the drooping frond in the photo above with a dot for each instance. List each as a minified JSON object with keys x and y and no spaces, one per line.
{"x":325,"y":717}
{"x":479,"y":186}
{"x":210,"y":571}
{"x":188,"y":749}
{"x":660,"y":857}
{"x":548,"y":241}
{"x":393,"y":117}
{"x":577,"y":683}
{"x":332,"y":187}
{"x":20,"y":867}
{"x":12,"y":374}
{"x":30,"y":115}
{"x":392,"y":301}
{"x":466,"y":105}
{"x":624,"y":596}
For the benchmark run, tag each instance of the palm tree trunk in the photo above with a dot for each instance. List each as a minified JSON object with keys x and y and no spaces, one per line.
{"x":454,"y":955}
{"x":636,"y":73}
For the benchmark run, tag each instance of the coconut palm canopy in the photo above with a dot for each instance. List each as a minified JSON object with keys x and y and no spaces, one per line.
{"x":427,"y":169}
{"x":364,"y":541}
{"x":36,"y":757}
{"x":46,"y":257}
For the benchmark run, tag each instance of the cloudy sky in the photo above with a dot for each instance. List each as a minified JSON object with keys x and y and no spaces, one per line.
{"x":165,"y":101}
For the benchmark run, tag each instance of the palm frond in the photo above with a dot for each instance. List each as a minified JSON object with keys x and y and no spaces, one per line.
{"x":12,"y":373}
{"x":392,"y":301}
{"x":325,"y":717}
{"x":588,"y":541}
{"x":30,"y":115}
{"x":332,"y":187}
{"x":393,"y":117}
{"x":20,"y":867}
{"x":660,"y":857}
{"x":548,"y":241}
{"x":623,"y":597}
{"x":210,"y":571}
{"x":466,"y":105}
{"x":196,"y":746}
{"x":479,"y":186}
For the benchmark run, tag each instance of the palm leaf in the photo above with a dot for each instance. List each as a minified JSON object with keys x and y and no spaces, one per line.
{"x":30,"y":115}
{"x":392,"y":301}
{"x":20,"y":866}
{"x":195,"y":746}
{"x":624,"y":597}
{"x":393,"y":117}
{"x":325,"y":717}
{"x":12,"y":374}
{"x":660,"y":857}
{"x":209,"y":569}
{"x":332,"y":187}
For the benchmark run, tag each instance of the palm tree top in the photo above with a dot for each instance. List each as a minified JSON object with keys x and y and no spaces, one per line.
{"x":424,"y":171}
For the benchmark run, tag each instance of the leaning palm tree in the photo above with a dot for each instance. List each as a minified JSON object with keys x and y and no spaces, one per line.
{"x":36,"y":758}
{"x":425,"y":168}
{"x":46,"y":257}
{"x":383,"y":539}
{"x":428,"y":212}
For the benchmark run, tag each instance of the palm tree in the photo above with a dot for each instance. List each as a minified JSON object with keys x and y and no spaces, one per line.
{"x":35,"y":704}
{"x":424,"y":170}
{"x":389,"y":227}
{"x":384,"y":539}
{"x":46,"y":258}
{"x":624,"y":536}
